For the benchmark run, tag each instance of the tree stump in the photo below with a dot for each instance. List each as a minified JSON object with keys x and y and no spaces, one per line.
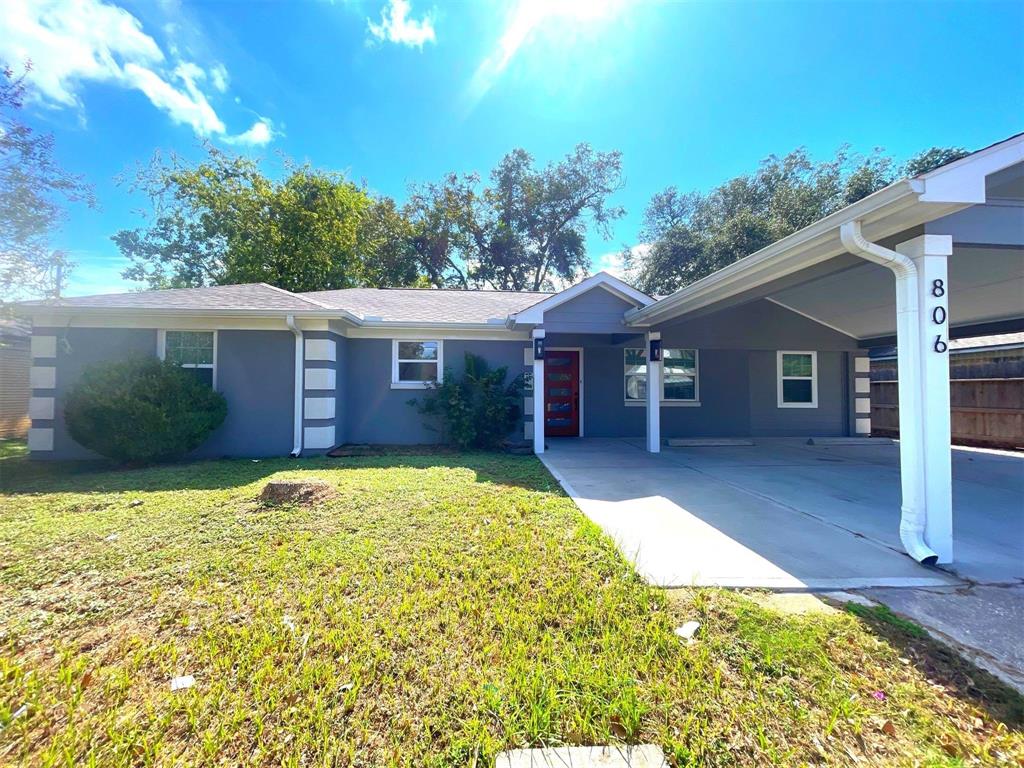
{"x":296,"y":492}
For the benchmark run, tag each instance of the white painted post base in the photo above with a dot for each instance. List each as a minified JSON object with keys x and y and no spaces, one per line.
{"x":653,"y":398}
{"x":929,"y":254}
{"x":538,"y":399}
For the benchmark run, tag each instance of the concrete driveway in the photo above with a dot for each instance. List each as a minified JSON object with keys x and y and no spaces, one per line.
{"x":786,"y":515}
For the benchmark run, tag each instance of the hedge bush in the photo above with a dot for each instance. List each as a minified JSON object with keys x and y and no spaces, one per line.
{"x":477,"y":411}
{"x":142,"y":410}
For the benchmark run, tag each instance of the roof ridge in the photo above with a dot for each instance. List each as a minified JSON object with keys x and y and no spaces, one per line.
{"x":429,"y":290}
{"x":299,"y":296}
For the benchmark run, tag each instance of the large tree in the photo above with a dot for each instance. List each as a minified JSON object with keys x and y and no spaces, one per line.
{"x":33,"y":190}
{"x":525,"y":230}
{"x":689,"y":236}
{"x":223,"y":221}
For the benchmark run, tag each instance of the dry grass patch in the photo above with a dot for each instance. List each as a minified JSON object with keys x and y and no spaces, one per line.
{"x":440,"y":609}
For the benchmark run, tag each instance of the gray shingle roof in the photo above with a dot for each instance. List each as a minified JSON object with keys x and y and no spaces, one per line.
{"x":247,"y":297}
{"x":412,"y":305}
{"x":424,"y":305}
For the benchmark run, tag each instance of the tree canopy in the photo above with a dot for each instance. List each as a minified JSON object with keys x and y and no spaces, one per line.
{"x":691,"y":235}
{"x":33,"y":189}
{"x":223,"y":221}
{"x":524,"y":230}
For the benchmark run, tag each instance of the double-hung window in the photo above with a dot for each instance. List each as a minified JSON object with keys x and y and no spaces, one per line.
{"x":195,"y":351}
{"x":416,"y":364}
{"x":798,"y":379}
{"x":679,"y":376}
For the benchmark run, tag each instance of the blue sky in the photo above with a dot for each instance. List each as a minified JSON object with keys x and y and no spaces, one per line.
{"x":399,"y":91}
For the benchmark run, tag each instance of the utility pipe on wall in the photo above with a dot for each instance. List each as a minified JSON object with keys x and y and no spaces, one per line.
{"x":908,"y":348}
{"x":299,"y":366}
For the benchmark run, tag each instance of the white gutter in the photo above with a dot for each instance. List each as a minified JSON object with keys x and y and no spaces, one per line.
{"x":299,"y":365}
{"x":913,"y":512}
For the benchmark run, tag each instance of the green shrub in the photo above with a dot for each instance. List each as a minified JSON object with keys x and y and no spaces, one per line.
{"x":477,"y":411}
{"x":142,"y":410}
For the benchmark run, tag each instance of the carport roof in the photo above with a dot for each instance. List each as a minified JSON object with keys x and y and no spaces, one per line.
{"x":899,"y":207}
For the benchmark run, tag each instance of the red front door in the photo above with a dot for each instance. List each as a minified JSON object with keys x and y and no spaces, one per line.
{"x":562,"y":393}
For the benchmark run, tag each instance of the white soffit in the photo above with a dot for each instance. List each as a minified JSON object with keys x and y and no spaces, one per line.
{"x":985,"y":284}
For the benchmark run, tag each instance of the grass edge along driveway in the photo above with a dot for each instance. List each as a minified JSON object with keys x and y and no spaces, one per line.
{"x":440,"y":609}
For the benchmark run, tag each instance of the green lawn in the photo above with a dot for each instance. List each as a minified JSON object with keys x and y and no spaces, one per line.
{"x":442,"y":608}
{"x":10,"y":448}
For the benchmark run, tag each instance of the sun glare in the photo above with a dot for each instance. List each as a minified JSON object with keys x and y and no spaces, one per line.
{"x":528,"y":19}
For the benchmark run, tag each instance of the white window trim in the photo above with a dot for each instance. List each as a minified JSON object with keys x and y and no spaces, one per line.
{"x":396,"y":384}
{"x":161,"y":349}
{"x":813,"y":377}
{"x":665,"y":403}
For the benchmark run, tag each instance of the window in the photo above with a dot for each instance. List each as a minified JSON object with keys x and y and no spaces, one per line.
{"x":679,"y":375}
{"x":195,"y":351}
{"x":679,"y":379}
{"x":415,"y":364}
{"x":636,"y":375}
{"x":798,"y":379}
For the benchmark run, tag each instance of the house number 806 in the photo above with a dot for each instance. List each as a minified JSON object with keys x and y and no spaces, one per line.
{"x":939,"y":315}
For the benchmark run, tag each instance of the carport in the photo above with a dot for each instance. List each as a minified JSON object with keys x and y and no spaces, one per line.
{"x":918,"y":263}
{"x":786,"y":514}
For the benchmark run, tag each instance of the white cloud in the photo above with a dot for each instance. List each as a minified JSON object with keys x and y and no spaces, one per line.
{"x":73,"y":42}
{"x":219,"y":77}
{"x":613,"y":263}
{"x":397,"y":26}
{"x":260,"y":134}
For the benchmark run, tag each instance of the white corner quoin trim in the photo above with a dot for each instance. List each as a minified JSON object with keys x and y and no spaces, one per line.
{"x":42,"y":377}
{"x":322,"y":349}
{"x":44,"y":346}
{"x":318,"y":438}
{"x":320,"y":378}
{"x":41,"y":408}
{"x":320,"y":408}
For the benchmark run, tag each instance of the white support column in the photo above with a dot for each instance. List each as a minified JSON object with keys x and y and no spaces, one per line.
{"x":538,"y":398}
{"x":929,"y":254}
{"x":653,"y":397}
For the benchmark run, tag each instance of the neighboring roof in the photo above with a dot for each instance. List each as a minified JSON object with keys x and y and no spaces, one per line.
{"x":249,"y":297}
{"x":985,"y":343}
{"x":428,"y":305}
{"x":14,"y":328}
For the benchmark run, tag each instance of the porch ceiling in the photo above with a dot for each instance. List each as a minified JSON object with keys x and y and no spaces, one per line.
{"x":985,"y":285}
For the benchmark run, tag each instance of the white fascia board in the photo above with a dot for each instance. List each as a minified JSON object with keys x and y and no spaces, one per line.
{"x":534,"y":315}
{"x":454,"y":331}
{"x":963,"y":181}
{"x":54,"y":309}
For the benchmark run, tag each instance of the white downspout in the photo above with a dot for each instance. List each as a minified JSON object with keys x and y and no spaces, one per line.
{"x":908,"y":347}
{"x":299,"y":365}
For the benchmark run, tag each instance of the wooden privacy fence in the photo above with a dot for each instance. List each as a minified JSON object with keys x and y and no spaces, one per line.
{"x":987,"y":412}
{"x":14,"y":391}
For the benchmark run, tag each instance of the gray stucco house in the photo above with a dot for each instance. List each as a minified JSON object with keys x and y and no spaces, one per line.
{"x":775,"y":344}
{"x":303,"y":373}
